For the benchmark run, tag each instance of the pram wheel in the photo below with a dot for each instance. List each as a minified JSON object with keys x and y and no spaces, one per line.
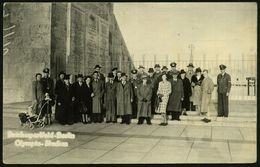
{"x":42,"y":124}
{"x":31,"y":126}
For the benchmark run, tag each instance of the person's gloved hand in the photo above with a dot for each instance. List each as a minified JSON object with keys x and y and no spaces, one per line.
{"x":144,"y":100}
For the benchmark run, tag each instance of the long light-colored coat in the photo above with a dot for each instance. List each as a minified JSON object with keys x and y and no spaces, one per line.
{"x":144,"y":108}
{"x":98,"y":90}
{"x":124,"y":96}
{"x":207,"y":88}
{"x":174,"y":103}
{"x":165,"y":89}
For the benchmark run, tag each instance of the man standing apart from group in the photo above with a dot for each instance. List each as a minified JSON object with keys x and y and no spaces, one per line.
{"x":224,"y":86}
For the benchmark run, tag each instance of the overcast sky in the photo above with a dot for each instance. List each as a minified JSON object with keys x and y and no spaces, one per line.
{"x":168,"y":28}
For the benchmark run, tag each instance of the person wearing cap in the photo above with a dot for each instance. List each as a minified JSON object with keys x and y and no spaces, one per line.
{"x":134,"y":83}
{"x":189,"y":75}
{"x":89,"y":94}
{"x":119,"y":74}
{"x":196,"y":81}
{"x":59,"y":83}
{"x":207,"y":88}
{"x":64,"y":103}
{"x":101,"y":76}
{"x":163,"y":93}
{"x":187,"y":92}
{"x":37,"y":93}
{"x":124,"y":97}
{"x":144,"y":95}
{"x":48,"y":90}
{"x":80,"y":99}
{"x":110,"y":99}
{"x":173,"y":70}
{"x":224,"y":86}
{"x":98,"y":91}
{"x":176,"y":97}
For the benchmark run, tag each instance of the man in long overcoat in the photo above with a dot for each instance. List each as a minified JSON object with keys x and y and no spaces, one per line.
{"x":58,"y":92}
{"x":134,"y":82}
{"x":110,"y":99}
{"x":144,"y":94}
{"x":224,"y":86}
{"x":189,"y":75}
{"x":176,"y":97}
{"x":152,"y":81}
{"x":98,"y":91}
{"x":187,"y":92}
{"x":124,"y":96}
{"x":173,"y":70}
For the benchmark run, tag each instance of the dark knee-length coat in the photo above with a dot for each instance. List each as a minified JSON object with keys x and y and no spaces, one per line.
{"x":98,"y":90}
{"x":88,"y":92}
{"x":110,"y":101}
{"x":64,"y":104}
{"x":124,"y":97}
{"x":144,"y":108}
{"x":187,"y":93}
{"x":175,"y":98}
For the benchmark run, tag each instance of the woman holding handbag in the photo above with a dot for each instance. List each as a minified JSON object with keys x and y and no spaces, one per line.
{"x":164,"y":90}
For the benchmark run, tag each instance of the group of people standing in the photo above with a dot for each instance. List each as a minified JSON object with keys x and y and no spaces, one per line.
{"x":142,"y":95}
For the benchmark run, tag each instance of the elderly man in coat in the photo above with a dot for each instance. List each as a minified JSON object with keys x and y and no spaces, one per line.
{"x":176,"y":97}
{"x":98,"y":92}
{"x":224,"y":86}
{"x":144,"y":94}
{"x":207,"y":88}
{"x":124,"y":96}
{"x":37,"y":94}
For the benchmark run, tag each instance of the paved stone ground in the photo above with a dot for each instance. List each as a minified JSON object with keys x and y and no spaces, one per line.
{"x":116,"y":143}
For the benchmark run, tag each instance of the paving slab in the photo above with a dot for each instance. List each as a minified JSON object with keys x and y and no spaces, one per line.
{"x":226,"y":133}
{"x":94,"y":145}
{"x":77,"y":156}
{"x":116,"y":128}
{"x":170,"y":130}
{"x":110,"y":139}
{"x":177,"y":143}
{"x":197,"y":132}
{"x":249,"y":133}
{"x":94,"y":127}
{"x":141,"y":129}
{"x":243,"y":152}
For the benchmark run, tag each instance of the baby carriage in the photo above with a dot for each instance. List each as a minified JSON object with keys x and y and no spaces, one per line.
{"x":37,"y":120}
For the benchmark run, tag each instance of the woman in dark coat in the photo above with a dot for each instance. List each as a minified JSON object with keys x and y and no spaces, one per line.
{"x":176,"y":97}
{"x":89,"y":94}
{"x":110,"y":99}
{"x":64,"y":103}
{"x":187,"y":92}
{"x":57,"y":91}
{"x":144,"y":94}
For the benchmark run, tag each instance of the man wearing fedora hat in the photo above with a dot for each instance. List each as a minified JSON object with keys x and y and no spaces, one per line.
{"x":144,"y":94}
{"x":173,"y":70}
{"x":101,"y":76}
{"x":140,"y":73}
{"x":124,"y":96}
{"x":48,"y":90}
{"x":110,"y":99}
{"x":224,"y":86}
{"x":157,"y":71}
{"x":134,"y":83}
{"x":114,"y":72}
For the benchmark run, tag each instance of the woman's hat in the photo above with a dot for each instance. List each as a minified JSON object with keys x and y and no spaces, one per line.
{"x":62,"y":72}
{"x":140,"y":66}
{"x":97,"y":66}
{"x":134,"y":71}
{"x":86,"y":77}
{"x":46,"y":70}
{"x":66,"y":77}
{"x":115,"y":68}
{"x":157,"y":65}
{"x":173,"y":64}
{"x":123,"y":74}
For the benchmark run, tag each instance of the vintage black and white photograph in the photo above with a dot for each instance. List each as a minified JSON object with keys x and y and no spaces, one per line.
{"x":129,"y":83}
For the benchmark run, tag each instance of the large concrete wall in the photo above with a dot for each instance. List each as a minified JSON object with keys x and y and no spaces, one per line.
{"x":70,"y":37}
{"x":29,"y":51}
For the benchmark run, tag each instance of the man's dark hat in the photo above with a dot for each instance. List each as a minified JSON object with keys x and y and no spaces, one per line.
{"x":164,"y":67}
{"x":222,"y":67}
{"x":62,"y":72}
{"x":79,"y":76}
{"x":173,"y":64}
{"x":157,"y":65}
{"x":66,"y":77}
{"x":110,"y":75}
{"x":115,"y":68}
{"x":97,"y":66}
{"x":46,"y":70}
{"x":123,"y":75}
{"x":150,"y":70}
{"x":182,"y":71}
{"x":86,"y":77}
{"x":198,"y":69}
{"x":190,"y":65}
{"x":141,"y":67}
